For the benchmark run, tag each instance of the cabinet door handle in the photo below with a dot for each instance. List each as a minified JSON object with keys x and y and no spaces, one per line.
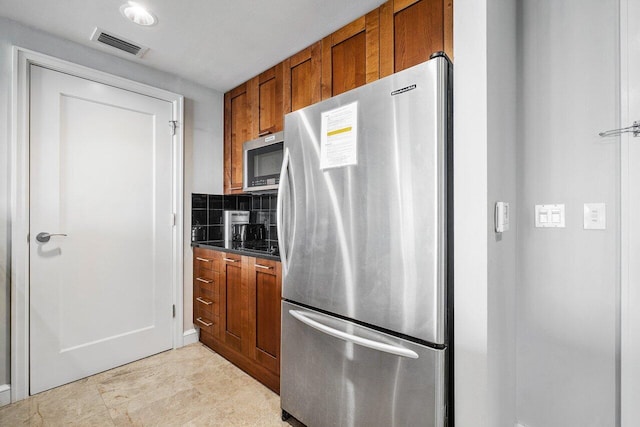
{"x":230,"y":259}
{"x":199,"y":319}
{"x":266,"y":267}
{"x":235,"y":188}
{"x":204,"y":301}
{"x":203,"y":259}
{"x":200,"y":279}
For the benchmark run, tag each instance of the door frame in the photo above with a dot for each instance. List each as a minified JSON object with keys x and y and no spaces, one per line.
{"x":627,"y":347}
{"x":22,"y":60}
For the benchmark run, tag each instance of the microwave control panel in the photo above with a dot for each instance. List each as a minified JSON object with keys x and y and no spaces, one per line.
{"x":264,"y":181}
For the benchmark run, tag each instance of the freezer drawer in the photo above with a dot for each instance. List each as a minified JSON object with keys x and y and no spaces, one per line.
{"x":382,"y":380}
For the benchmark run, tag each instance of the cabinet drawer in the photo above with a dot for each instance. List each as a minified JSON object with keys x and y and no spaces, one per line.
{"x":204,"y":259}
{"x":209,"y":325}
{"x":204,"y":276}
{"x":206,"y":300}
{"x":265,"y":265}
{"x":232,"y":259}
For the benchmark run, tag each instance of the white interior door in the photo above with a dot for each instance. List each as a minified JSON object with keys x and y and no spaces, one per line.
{"x":100,"y":173}
{"x":630,"y":236}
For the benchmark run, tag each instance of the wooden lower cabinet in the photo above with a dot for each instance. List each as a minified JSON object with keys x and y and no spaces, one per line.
{"x":234,"y":300}
{"x":265,"y":279}
{"x":237,"y":308}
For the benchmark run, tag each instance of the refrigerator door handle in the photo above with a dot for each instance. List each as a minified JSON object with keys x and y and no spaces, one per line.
{"x":284,"y":172}
{"x":365,"y":342}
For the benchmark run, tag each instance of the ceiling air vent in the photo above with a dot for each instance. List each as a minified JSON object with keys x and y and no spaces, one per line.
{"x":120,"y":43}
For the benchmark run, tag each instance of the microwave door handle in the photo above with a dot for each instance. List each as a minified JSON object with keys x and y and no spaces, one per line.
{"x":285,"y":173}
{"x":245,"y":170}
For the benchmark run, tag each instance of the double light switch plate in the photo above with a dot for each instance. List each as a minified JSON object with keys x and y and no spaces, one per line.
{"x":550,"y":216}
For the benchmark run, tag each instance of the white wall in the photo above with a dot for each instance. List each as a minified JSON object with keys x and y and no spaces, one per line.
{"x":501,"y":171}
{"x":203,"y":142}
{"x":470,"y":213}
{"x":484,"y":163}
{"x":568,"y":280}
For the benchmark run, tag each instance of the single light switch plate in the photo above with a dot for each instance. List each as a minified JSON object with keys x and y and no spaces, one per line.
{"x":502,"y":217}
{"x":550,"y":216}
{"x":595,"y":216}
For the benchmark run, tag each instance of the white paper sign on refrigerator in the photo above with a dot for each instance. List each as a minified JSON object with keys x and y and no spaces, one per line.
{"x":339,"y":137}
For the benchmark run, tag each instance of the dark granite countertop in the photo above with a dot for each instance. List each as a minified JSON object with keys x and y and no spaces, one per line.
{"x":252,"y":249}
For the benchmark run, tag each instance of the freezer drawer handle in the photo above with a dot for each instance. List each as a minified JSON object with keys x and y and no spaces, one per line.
{"x":387,"y":348}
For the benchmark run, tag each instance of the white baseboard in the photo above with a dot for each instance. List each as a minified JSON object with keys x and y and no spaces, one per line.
{"x":5,"y":394}
{"x":190,"y":337}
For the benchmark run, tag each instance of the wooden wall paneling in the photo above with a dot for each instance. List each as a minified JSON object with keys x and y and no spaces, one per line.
{"x":302,"y":78}
{"x":418,"y":31}
{"x":237,"y":128}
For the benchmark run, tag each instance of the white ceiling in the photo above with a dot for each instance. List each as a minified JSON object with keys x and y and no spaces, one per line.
{"x":217,"y":43}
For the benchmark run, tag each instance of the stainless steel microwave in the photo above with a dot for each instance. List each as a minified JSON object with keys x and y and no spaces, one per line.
{"x":262,"y":160}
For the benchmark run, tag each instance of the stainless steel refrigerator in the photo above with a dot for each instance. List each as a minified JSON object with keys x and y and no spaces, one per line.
{"x":364,"y":227}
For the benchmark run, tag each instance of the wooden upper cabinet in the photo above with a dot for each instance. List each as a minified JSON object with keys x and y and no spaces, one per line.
{"x":302,"y":78}
{"x":266,"y":99}
{"x":397,"y":35}
{"x":412,"y":30}
{"x":351,"y":56}
{"x":237,"y":130}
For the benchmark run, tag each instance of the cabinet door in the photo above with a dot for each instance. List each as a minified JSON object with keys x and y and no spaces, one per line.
{"x":411,"y":30}
{"x":237,"y":130}
{"x":265,"y":278}
{"x":350,"y":56}
{"x":302,"y":78}
{"x":233,"y":310}
{"x":266,"y":94}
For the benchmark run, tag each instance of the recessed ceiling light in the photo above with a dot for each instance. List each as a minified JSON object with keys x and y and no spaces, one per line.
{"x":138,"y":14}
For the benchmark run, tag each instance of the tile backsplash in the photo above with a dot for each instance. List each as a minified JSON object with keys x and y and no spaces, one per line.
{"x":207,"y":213}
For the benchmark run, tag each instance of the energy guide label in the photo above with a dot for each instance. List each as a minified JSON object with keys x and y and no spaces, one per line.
{"x":339,"y":137}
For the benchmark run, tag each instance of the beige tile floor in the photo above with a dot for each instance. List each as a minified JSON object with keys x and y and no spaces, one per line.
{"x":191,"y":386}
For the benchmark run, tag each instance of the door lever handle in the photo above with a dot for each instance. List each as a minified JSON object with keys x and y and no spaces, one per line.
{"x":45,"y":237}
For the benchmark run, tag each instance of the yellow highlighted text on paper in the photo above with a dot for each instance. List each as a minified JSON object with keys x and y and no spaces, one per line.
{"x":337,"y":131}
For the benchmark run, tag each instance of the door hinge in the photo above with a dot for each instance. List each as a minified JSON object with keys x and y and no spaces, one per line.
{"x":173,"y":124}
{"x":174,"y":310}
